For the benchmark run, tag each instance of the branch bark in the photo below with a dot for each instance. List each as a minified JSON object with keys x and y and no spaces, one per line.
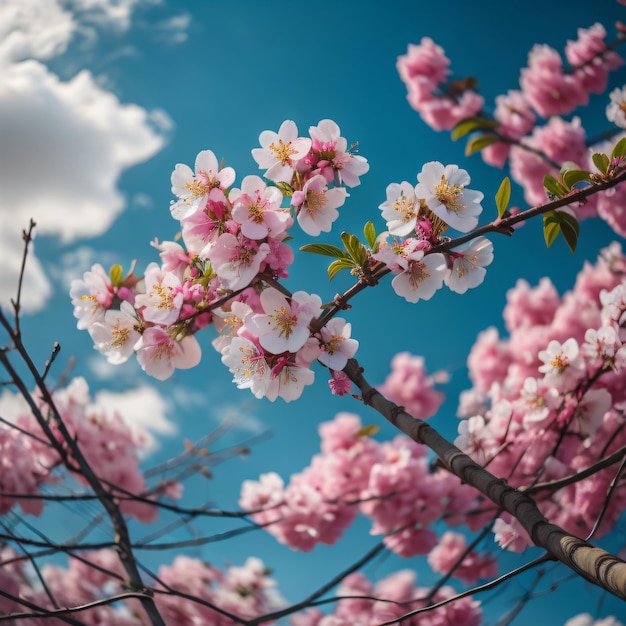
{"x":593,"y":564}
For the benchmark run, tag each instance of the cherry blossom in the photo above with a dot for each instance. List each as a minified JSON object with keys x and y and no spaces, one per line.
{"x":159,"y":355}
{"x":468,"y":265}
{"x":444,"y":191}
{"x":283,"y":327}
{"x":192,"y":189}
{"x":616,"y":109}
{"x":237,"y":260}
{"x":562,"y":362}
{"x":117,"y":334}
{"x":257,"y":208}
{"x":410,"y":387}
{"x":91,"y":296}
{"x":418,"y":276}
{"x":281,"y":151}
{"x":338,"y":347}
{"x":401,"y":209}
{"x":331,"y":157}
{"x":317,"y":205}
{"x":247,"y":362}
{"x":163,"y":299}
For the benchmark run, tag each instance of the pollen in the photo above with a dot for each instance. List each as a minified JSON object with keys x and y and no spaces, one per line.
{"x":333,"y":345}
{"x":165,"y":294}
{"x":417,"y":274}
{"x":559,"y":363}
{"x":404,"y":205}
{"x":315,"y":200}
{"x":284,"y":321}
{"x":449,"y":195}
{"x":282,"y":151}
{"x":119,"y":336}
{"x":197,"y":188}
{"x":256,"y":213}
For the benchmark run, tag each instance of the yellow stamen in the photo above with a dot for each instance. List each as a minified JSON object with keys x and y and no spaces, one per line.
{"x":119,"y":336}
{"x":315,"y":200}
{"x":283,"y":151}
{"x":449,"y":195}
{"x":284,"y":321}
{"x":404,"y":205}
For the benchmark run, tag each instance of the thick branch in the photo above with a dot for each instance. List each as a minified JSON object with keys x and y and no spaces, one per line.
{"x":593,"y":564}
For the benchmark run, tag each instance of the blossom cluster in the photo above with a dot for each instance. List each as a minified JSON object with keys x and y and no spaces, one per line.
{"x":389,"y":599}
{"x":510,"y":133}
{"x":29,"y":459}
{"x":390,"y":483}
{"x":245,"y":591}
{"x":549,"y":401}
{"x":225,"y":271}
{"x":417,"y":216}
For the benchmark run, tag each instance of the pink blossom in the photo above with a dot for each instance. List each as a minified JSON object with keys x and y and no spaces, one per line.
{"x":283,"y":326}
{"x":159,"y":354}
{"x":331,"y":157}
{"x":468,"y":265}
{"x":410,"y":387}
{"x":192,"y":188}
{"x":339,"y":383}
{"x":445,"y":558}
{"x":424,"y":62}
{"x":280,"y":152}
{"x":560,"y":141}
{"x":549,"y":89}
{"x":91,"y":296}
{"x":317,"y":205}
{"x":612,"y":208}
{"x":337,"y":345}
{"x":163,"y":299}
{"x":257,"y":208}
{"x":592,"y":59}
{"x":117,"y":334}
{"x":246,"y":361}
{"x":288,"y":381}
{"x":510,"y":534}
{"x":237,"y":260}
{"x":562,"y":363}
{"x":444,"y":112}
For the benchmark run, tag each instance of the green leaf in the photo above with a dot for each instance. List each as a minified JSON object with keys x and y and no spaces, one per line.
{"x":116,"y":273}
{"x":503,"y":195}
{"x":324,"y":249}
{"x":620,"y":149}
{"x":466,"y":126}
{"x":551,"y":227}
{"x":285,"y":188}
{"x":370,"y":234}
{"x":368,"y":431}
{"x":570,"y":228}
{"x":477,"y":144}
{"x":336,"y":266}
{"x":601,"y":161}
{"x":554,"y":186}
{"x":354,"y":247}
{"x":571,"y":177}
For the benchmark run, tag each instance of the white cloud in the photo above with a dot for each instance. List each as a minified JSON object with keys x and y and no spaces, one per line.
{"x":174,"y":29}
{"x":65,"y":145}
{"x":143,"y":409}
{"x":33,"y":29}
{"x":108,"y":13}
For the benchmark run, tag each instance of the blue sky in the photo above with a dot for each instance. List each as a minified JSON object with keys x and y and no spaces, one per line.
{"x":101,"y":99}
